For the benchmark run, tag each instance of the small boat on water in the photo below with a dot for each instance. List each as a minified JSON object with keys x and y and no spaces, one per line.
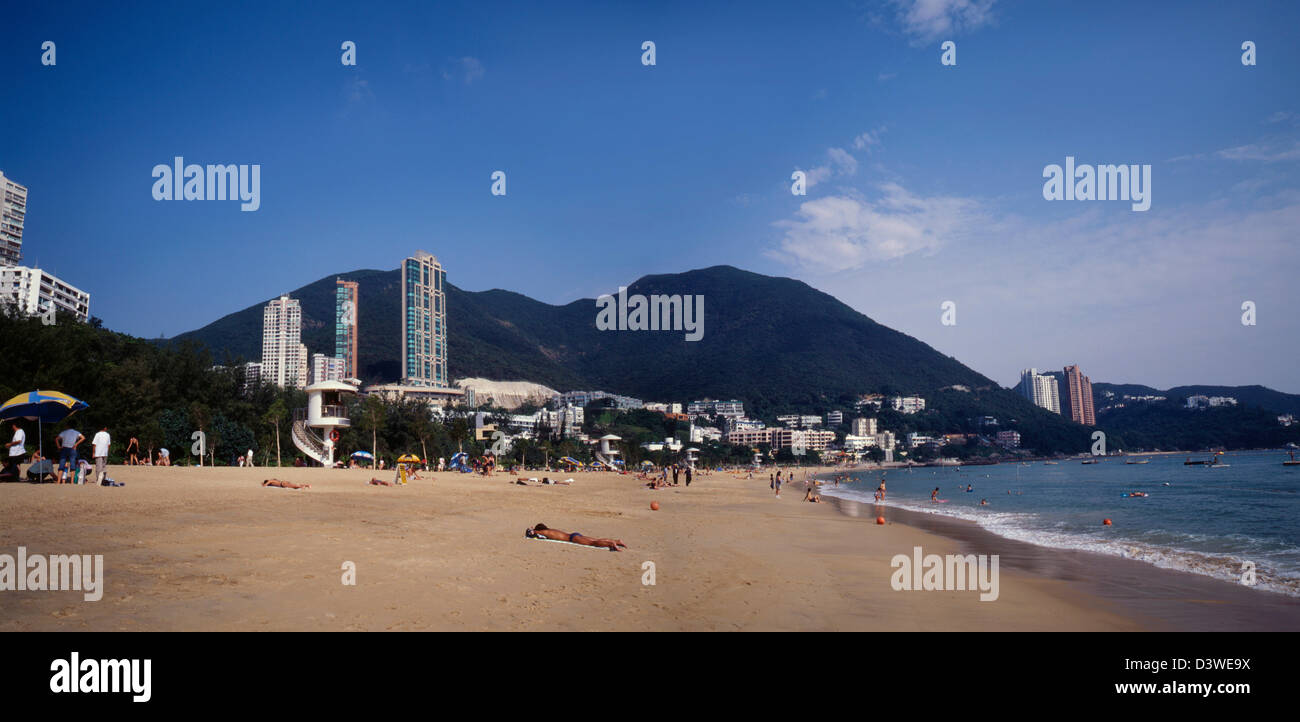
{"x":1292,"y":461}
{"x":1139,"y":461}
{"x":1091,"y":461}
{"x":1049,"y":463}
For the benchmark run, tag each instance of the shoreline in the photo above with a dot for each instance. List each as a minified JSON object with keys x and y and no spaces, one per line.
{"x":1165,"y":599}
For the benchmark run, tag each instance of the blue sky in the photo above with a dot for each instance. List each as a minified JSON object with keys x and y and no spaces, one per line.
{"x":928,"y":179}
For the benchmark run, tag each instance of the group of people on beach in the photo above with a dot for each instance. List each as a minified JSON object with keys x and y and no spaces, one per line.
{"x":659,"y":479}
{"x":70,"y":469}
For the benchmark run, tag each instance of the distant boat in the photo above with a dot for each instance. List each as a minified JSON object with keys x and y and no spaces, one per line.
{"x":1139,"y":461}
{"x":1053,"y":463}
{"x":1091,"y":461}
{"x":1293,"y":461}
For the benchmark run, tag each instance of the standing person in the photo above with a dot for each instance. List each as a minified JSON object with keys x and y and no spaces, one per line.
{"x":688,"y":476}
{"x":881,"y":489}
{"x":99,"y":450}
{"x":248,"y":458}
{"x":67,"y":442}
{"x":778,"y":484}
{"x":17,"y":445}
{"x":676,"y":470}
{"x":133,"y":451}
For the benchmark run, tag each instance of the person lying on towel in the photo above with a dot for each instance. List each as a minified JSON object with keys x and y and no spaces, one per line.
{"x":544,"y":532}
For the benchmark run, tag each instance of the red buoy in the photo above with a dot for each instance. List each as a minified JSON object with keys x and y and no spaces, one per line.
{"x":880,"y":520}
{"x":1105,"y":522}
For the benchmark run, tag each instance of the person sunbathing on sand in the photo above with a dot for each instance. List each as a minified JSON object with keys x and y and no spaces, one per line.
{"x":546,"y":481}
{"x":545,"y":532}
{"x":285,"y":484}
{"x":380,"y":482}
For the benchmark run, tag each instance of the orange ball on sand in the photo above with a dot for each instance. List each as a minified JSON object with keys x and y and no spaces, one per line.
{"x":880,"y":520}
{"x":654,"y":506}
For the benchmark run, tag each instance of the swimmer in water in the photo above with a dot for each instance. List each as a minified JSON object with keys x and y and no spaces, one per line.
{"x":970,"y":488}
{"x":934,"y":495}
{"x":984,"y":502}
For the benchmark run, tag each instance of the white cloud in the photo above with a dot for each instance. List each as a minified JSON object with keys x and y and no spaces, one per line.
{"x":929,"y":20}
{"x":1150,"y":298}
{"x":358,"y":90}
{"x":844,"y":232}
{"x":839,"y":163}
{"x":1269,"y":152}
{"x":868,"y":139}
{"x":466,"y":69}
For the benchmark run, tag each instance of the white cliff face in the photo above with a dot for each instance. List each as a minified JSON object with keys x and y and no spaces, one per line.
{"x":507,"y":394}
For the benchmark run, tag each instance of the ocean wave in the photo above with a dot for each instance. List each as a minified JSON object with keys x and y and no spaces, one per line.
{"x":1031,"y":528}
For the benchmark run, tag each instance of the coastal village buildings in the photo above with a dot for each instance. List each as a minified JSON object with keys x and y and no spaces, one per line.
{"x":907,"y":404}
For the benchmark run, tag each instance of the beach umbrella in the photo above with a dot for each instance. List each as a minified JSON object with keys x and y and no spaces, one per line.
{"x":362,"y":455}
{"x":42,"y":407}
{"x":408,"y":459}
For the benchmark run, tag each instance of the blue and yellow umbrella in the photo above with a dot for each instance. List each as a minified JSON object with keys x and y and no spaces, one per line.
{"x":48,"y":407}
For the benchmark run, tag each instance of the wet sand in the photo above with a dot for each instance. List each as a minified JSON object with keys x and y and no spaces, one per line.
{"x":1162,"y":599}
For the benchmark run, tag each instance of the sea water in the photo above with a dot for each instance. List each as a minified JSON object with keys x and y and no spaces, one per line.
{"x":1214,"y":521}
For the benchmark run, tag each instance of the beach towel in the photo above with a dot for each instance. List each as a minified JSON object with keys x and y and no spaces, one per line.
{"x":557,"y":541}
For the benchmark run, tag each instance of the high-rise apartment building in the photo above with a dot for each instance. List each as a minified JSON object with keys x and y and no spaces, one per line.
{"x":284,"y":357}
{"x":345,"y":326}
{"x":326,"y":368}
{"x":424,"y":321}
{"x":864,"y":427}
{"x":34,"y":292}
{"x":13,"y":212}
{"x":1076,"y":397}
{"x":1040,"y":389}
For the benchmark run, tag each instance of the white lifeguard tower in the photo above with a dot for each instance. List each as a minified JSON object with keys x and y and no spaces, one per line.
{"x":692,"y":457}
{"x":607,"y":454}
{"x":327,"y":411}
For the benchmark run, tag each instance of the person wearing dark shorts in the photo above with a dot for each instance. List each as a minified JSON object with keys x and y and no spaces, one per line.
{"x":15,"y":451}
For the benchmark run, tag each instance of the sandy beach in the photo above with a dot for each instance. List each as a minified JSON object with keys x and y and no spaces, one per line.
{"x":211,"y":549}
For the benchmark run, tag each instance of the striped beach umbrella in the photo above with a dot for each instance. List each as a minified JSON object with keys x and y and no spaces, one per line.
{"x":48,"y":407}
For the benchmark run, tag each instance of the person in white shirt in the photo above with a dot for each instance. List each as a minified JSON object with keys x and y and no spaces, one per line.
{"x":249,"y":457}
{"x":18,"y":446}
{"x":17,"y":449}
{"x":100,"y":444}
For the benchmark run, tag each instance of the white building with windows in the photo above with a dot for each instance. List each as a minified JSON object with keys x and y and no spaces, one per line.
{"x":326,"y":368}
{"x":284,"y":357}
{"x":34,"y":292}
{"x":907,"y":404}
{"x":863,"y":427}
{"x":13,"y":213}
{"x":1040,"y":389}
